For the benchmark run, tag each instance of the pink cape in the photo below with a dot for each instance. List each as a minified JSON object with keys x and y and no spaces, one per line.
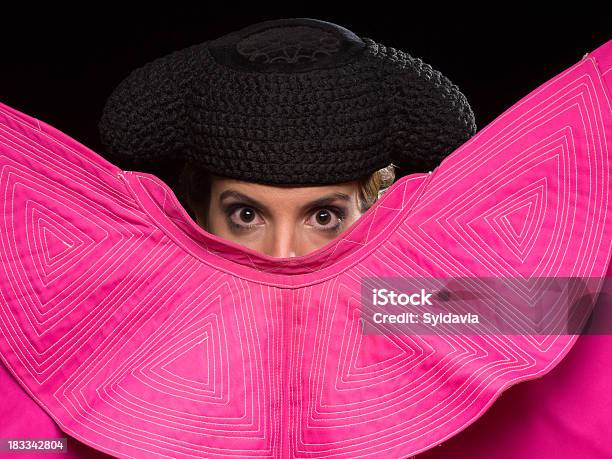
{"x":140,"y":334}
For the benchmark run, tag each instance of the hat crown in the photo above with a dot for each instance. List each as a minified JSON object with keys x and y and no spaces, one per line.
{"x":287,"y":45}
{"x":295,"y":101}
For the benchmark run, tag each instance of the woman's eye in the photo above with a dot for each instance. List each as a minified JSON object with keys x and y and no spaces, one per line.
{"x":326,"y":219}
{"x":243,"y":217}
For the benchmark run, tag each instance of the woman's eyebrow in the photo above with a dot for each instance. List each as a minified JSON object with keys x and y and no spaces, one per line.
{"x":243,"y":197}
{"x":322,"y":201}
{"x":328,"y":199}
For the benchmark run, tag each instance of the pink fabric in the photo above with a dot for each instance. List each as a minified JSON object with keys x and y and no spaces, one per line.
{"x":141,"y":334}
{"x":22,"y":418}
{"x":566,"y":413}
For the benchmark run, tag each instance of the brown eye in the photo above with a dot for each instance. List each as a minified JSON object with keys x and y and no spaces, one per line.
{"x":243,"y":217}
{"x":323,"y":217}
{"x":326,"y":219}
{"x":247,"y":214}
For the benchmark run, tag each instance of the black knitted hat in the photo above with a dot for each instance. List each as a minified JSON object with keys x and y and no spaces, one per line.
{"x":294,"y":101}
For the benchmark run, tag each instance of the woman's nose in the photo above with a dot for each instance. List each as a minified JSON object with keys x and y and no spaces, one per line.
{"x":284,"y":241}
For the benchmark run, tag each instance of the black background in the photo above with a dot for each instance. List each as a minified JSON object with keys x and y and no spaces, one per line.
{"x":61,"y":65}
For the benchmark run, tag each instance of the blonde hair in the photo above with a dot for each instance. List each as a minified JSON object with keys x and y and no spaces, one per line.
{"x":372,"y":186}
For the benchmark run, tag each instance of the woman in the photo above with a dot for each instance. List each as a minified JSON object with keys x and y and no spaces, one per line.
{"x":282,"y":134}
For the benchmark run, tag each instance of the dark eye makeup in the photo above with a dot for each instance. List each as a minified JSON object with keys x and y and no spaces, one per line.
{"x":337,"y":211}
{"x":231,"y":209}
{"x":230,"y":212}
